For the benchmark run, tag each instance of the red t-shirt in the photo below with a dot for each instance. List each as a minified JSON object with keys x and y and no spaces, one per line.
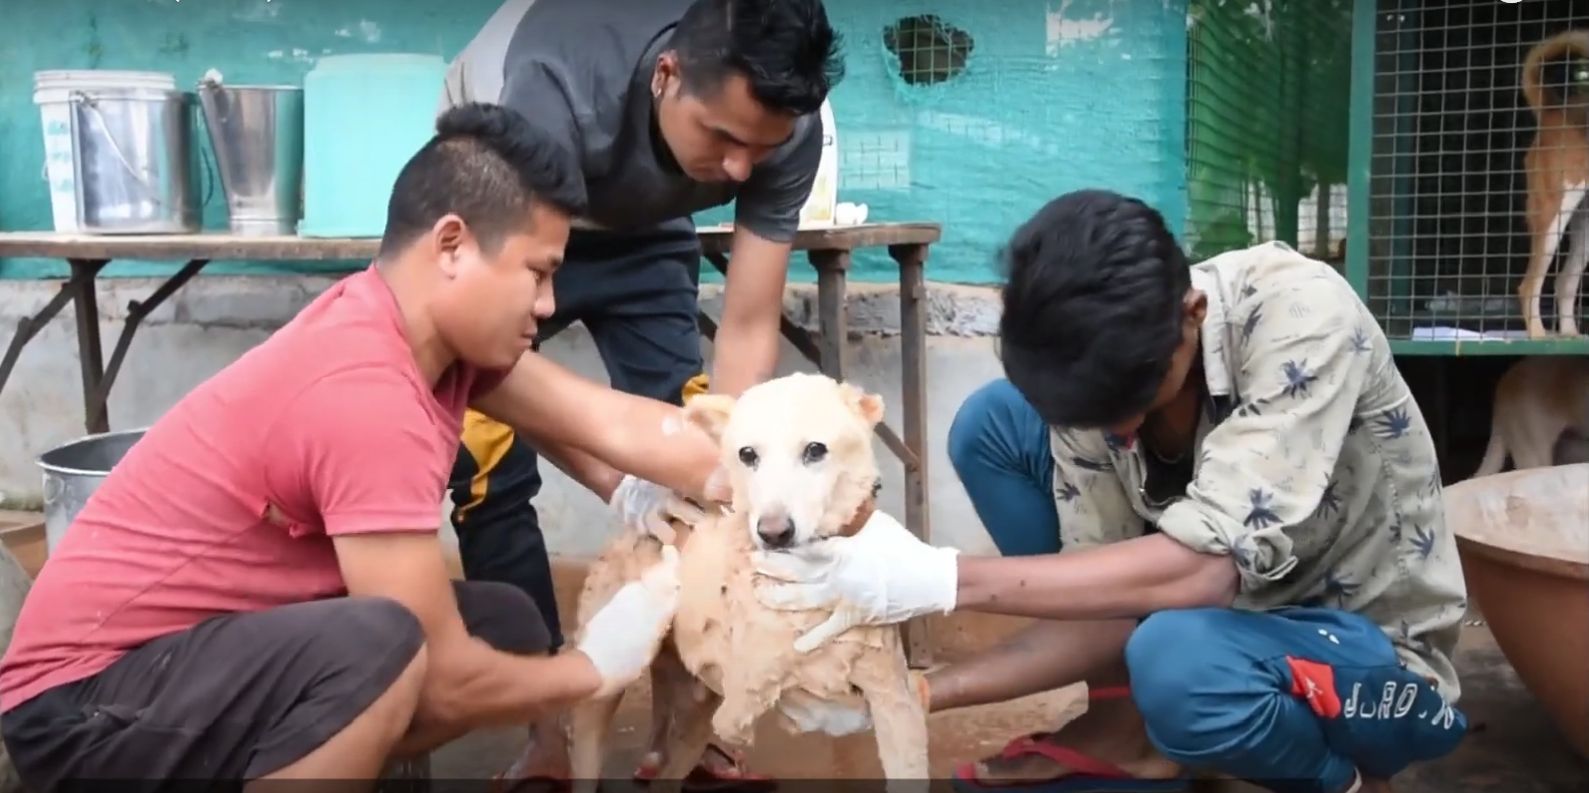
{"x":329,"y":422}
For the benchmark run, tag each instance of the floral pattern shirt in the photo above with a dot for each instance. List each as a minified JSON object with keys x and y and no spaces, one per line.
{"x":1314,"y":468}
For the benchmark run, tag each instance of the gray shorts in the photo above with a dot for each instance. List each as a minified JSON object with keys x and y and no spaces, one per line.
{"x":241,"y":696}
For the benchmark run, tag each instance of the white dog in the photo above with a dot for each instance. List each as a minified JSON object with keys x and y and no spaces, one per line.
{"x":797,"y":452}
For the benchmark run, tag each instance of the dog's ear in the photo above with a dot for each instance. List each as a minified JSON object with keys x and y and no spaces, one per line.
{"x":868,"y":406}
{"x":709,"y":412}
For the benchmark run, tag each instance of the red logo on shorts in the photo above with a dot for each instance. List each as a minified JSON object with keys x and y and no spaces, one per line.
{"x":1314,"y":683}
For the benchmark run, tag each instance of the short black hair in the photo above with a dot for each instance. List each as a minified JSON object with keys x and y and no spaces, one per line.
{"x":486,"y":164}
{"x":785,"y":48}
{"x":1093,"y":308}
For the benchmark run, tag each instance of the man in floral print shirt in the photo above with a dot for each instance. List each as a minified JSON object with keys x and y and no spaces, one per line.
{"x":1216,"y":494}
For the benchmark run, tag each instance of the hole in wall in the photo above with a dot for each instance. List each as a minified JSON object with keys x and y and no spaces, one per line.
{"x":930,"y":50}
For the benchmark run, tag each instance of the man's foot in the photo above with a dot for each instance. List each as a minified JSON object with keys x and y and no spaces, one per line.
{"x":543,"y":766}
{"x":720,"y":769}
{"x":1105,"y":749}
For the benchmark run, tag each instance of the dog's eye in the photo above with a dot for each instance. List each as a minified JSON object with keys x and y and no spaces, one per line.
{"x":814,"y":453}
{"x":749,"y":457}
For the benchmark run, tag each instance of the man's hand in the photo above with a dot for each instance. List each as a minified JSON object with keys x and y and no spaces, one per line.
{"x":646,"y":507}
{"x":881,"y":576}
{"x":623,"y":637}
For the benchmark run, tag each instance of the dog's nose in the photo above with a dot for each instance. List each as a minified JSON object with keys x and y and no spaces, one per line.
{"x":776,"y":532}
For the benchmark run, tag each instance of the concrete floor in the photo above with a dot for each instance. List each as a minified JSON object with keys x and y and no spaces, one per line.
{"x":1514,"y":748}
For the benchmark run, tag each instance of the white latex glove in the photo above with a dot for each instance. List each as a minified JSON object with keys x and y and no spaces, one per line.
{"x":880,"y":576}
{"x":623,"y":637}
{"x":646,"y":507}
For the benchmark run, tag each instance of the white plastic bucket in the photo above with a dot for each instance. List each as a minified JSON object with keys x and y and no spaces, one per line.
{"x":822,"y":205}
{"x":52,"y":92}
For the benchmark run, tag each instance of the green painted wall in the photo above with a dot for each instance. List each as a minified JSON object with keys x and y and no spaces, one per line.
{"x":1056,"y":95}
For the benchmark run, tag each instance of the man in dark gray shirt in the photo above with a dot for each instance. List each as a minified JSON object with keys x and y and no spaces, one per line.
{"x":673,"y":106}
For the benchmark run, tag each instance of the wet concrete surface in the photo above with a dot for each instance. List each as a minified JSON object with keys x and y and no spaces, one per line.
{"x":1514,"y":748}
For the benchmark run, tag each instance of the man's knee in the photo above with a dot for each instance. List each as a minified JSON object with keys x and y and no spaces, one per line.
{"x":995,"y":426}
{"x":1195,"y":694}
{"x":1000,"y":451}
{"x":503,"y":616}
{"x":365,"y":622}
{"x":971,"y":430}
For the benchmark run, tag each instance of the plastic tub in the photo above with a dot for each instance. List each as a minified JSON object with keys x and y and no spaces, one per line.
{"x":364,"y":117}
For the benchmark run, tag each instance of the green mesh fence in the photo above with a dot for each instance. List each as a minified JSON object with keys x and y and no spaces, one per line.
{"x":1268,"y":95}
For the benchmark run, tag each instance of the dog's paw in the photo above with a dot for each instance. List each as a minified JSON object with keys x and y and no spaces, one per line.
{"x":734,"y":728}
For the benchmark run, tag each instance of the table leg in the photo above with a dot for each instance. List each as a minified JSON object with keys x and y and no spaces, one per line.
{"x":90,"y":353}
{"x":137,"y":310}
{"x":912,"y":260}
{"x":29,"y":327}
{"x":833,"y":320}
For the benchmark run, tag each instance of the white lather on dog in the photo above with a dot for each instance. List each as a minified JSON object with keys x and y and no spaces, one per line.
{"x":797,"y":453}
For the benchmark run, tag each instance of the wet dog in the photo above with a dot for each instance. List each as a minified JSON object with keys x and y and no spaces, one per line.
{"x":797,"y":454}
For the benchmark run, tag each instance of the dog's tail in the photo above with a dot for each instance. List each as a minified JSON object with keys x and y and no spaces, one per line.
{"x":1572,"y":44}
{"x":1494,"y":454}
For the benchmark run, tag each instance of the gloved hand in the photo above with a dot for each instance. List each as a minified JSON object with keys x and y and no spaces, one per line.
{"x":624,"y":636}
{"x":880,"y":576}
{"x":646,"y":507}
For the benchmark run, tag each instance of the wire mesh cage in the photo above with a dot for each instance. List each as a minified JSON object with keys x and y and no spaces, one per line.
{"x":1478,"y":160}
{"x":1268,"y":103}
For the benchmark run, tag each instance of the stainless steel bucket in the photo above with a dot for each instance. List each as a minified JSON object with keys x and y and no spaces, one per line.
{"x":73,"y":472}
{"x":257,"y":134}
{"x":133,"y":154}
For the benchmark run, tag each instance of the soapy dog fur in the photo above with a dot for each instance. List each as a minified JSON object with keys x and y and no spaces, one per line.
{"x":797,"y":454}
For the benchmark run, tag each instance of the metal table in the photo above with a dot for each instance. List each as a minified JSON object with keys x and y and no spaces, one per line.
{"x":828,"y":250}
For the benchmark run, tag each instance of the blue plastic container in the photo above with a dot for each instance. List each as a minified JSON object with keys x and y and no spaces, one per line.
{"x":363,"y":117}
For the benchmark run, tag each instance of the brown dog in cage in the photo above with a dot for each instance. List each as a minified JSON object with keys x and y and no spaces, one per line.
{"x":1541,"y":414}
{"x":1556,"y":85}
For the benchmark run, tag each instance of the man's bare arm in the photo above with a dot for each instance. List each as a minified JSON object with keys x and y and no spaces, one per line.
{"x":1126,"y":579}
{"x":595,"y":475}
{"x":557,"y":409}
{"x":468,"y":684}
{"x":746,"y":350}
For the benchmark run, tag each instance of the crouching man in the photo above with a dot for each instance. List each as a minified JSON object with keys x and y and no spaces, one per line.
{"x":257,"y":591}
{"x":1216,"y":494}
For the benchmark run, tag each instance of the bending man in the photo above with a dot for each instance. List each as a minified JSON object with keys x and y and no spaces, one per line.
{"x":674,"y":107}
{"x":1218,"y":497}
{"x":257,"y":590}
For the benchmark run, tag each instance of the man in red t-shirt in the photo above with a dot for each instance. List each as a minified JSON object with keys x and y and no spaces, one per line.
{"x":258,"y":590}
